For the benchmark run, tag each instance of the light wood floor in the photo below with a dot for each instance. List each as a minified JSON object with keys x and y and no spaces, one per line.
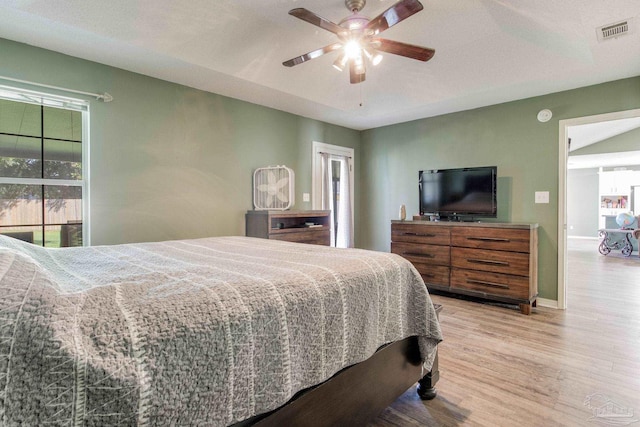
{"x":501,"y":368}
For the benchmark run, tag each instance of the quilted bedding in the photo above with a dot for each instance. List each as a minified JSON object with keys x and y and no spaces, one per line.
{"x":192,"y":332}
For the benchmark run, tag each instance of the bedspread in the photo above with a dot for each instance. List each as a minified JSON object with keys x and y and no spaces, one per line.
{"x":192,"y":332}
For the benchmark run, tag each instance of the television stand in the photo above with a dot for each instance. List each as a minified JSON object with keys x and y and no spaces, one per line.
{"x":492,"y":261}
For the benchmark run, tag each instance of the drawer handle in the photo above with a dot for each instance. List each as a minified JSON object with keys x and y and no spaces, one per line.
{"x":418,"y":255}
{"x":487,"y":262}
{"x":485,"y":283}
{"x":419,"y":234}
{"x":489,"y":239}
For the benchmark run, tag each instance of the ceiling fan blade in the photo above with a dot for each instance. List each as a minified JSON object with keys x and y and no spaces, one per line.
{"x":312,"y":55}
{"x":396,"y":13}
{"x":404,"y":49}
{"x":354,"y":76}
{"x":318,"y":21}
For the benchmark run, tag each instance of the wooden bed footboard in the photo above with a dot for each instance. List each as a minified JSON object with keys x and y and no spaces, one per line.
{"x":427,"y":384}
{"x":359,"y":393}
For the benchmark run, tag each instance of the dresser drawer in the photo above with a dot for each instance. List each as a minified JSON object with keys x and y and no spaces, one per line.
{"x":497,"y":261}
{"x":314,"y":237}
{"x":488,"y":260}
{"x":420,"y":233}
{"x":502,"y":239}
{"x":424,"y":254}
{"x":505,"y":285}
{"x":434,"y":275}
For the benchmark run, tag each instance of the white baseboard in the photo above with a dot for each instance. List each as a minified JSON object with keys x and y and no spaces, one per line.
{"x":583,"y":237}
{"x":550,"y":303}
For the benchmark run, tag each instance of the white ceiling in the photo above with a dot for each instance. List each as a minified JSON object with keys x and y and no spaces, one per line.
{"x":487,"y":51}
{"x":583,"y":135}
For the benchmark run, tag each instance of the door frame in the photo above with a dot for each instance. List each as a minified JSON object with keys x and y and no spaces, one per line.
{"x":316,"y":170}
{"x":563,"y":151}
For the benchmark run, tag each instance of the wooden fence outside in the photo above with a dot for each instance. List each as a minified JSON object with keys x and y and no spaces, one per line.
{"x":30,"y":212}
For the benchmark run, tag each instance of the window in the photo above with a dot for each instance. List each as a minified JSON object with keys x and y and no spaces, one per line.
{"x":42,"y":168}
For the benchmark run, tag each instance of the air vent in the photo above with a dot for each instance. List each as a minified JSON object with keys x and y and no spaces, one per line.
{"x":616,"y":30}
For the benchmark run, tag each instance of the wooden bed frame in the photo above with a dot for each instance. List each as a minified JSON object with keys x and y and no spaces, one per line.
{"x":359,"y":393}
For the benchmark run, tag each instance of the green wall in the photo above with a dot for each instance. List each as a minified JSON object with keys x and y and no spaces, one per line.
{"x":168,"y":161}
{"x":507,"y":135}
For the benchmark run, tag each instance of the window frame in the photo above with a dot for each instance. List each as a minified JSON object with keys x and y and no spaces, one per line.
{"x":66,"y":103}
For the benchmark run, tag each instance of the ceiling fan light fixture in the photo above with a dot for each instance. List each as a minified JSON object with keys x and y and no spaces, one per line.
{"x":339,"y":63}
{"x":352,"y":49}
{"x":374,"y":57}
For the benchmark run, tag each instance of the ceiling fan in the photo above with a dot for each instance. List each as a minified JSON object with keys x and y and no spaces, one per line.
{"x":358,"y":37}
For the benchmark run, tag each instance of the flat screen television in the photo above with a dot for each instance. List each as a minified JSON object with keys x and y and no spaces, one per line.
{"x":459,"y":194}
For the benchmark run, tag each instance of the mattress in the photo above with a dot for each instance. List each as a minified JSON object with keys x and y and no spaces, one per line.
{"x":192,"y":332}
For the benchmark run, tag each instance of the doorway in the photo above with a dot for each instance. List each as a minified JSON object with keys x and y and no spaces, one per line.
{"x":332,"y":174}
{"x":564,"y":130}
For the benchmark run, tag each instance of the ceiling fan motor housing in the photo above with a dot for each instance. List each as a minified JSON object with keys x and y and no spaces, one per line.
{"x":355,"y":24}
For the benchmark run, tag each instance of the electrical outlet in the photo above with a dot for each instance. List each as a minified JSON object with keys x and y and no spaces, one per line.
{"x":542,"y":197}
{"x":306,"y":197}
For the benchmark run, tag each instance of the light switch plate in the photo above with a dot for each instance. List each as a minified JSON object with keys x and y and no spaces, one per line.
{"x":542,"y":197}
{"x":305,"y":197}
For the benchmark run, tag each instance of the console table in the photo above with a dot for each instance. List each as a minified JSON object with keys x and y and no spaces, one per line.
{"x":607,"y":243}
{"x":293,"y":226}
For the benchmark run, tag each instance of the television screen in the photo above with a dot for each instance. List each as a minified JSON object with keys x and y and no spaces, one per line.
{"x":459,"y":192}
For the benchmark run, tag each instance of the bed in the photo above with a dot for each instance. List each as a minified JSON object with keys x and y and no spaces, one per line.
{"x":217,"y":331}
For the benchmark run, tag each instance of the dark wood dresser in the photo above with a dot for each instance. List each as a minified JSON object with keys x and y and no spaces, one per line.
{"x":494,"y":261}
{"x":293,"y":226}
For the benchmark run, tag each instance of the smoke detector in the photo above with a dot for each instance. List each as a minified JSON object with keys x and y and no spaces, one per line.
{"x":615,"y":30}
